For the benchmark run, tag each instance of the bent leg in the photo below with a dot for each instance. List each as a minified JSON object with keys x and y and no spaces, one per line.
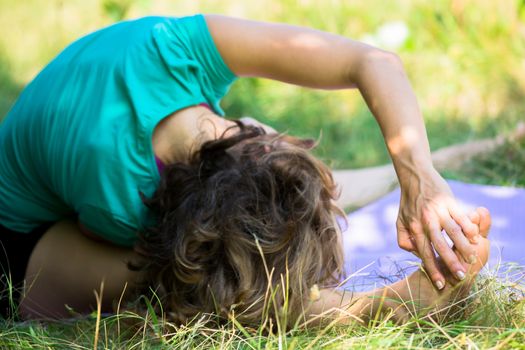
{"x":360,"y":187}
{"x":66,"y":268}
{"x":453,"y":157}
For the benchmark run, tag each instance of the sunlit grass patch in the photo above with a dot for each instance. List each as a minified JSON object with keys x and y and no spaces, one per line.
{"x":492,"y":316}
{"x":503,"y":166}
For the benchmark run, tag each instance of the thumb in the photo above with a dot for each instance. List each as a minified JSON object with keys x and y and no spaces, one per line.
{"x":404,"y":239}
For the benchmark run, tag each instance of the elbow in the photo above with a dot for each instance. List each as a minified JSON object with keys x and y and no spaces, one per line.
{"x":377,"y":56}
{"x":374,"y":60}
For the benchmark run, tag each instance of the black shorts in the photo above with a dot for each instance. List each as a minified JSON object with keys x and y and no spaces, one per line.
{"x":15,"y":251}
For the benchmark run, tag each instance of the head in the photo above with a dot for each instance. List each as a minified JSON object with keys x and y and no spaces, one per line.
{"x":247,"y":214}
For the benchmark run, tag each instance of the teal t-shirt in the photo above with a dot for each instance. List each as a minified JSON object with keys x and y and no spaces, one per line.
{"x":78,"y":141}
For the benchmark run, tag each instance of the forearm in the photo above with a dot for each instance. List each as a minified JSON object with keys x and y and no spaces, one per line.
{"x":347,"y":307}
{"x":387,"y":91}
{"x":339,"y":306}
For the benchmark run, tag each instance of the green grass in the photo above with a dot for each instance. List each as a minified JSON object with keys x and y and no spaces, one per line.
{"x":504,"y":166}
{"x":465,"y":60}
{"x":492,"y":317}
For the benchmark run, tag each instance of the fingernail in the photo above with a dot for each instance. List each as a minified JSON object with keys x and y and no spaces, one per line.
{"x":461,"y":275}
{"x":475,"y":239}
{"x":472,"y":259}
{"x":440,"y":285}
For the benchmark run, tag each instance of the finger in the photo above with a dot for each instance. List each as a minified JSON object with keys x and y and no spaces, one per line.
{"x":467,"y":251}
{"x":475,"y":218}
{"x":404,"y":239}
{"x":484,"y":222}
{"x":448,"y":257}
{"x":428,"y":257}
{"x":468,"y":228}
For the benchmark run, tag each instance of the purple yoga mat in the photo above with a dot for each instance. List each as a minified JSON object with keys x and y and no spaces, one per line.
{"x":372,"y":255}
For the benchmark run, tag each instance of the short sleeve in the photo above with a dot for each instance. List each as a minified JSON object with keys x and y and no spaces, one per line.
{"x":168,"y":64}
{"x":108,"y":225}
{"x":192,"y":36}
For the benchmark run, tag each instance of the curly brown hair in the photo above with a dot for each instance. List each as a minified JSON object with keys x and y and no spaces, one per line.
{"x":242,"y":215}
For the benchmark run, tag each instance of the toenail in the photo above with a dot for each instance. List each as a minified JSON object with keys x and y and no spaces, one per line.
{"x":472,"y":259}
{"x":440,"y":285}
{"x":461,"y":275}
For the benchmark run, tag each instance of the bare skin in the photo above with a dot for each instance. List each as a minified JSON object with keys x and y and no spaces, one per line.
{"x":178,"y":135}
{"x":65,"y":270}
{"x":414,"y":296}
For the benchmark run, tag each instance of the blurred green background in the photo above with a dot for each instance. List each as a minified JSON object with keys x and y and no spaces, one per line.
{"x":466,"y":61}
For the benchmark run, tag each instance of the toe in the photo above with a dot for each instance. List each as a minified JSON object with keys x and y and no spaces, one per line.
{"x":484,"y":221}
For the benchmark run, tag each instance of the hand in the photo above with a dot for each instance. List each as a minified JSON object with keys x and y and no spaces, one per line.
{"x":427,"y":207}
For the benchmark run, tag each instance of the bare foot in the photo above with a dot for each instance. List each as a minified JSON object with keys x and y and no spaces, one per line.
{"x":415,"y":296}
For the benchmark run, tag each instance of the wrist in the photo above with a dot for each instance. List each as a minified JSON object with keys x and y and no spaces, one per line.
{"x":410,"y":165}
{"x":409,"y":149}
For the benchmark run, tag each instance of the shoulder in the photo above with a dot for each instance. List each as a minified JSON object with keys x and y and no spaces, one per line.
{"x":183,"y":132}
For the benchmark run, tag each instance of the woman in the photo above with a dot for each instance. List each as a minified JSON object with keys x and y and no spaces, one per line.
{"x":88,"y":139}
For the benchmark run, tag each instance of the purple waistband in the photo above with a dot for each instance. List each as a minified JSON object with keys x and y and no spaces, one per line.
{"x":160,"y":165}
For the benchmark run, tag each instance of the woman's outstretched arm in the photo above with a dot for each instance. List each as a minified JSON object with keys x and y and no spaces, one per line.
{"x":320,"y":60}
